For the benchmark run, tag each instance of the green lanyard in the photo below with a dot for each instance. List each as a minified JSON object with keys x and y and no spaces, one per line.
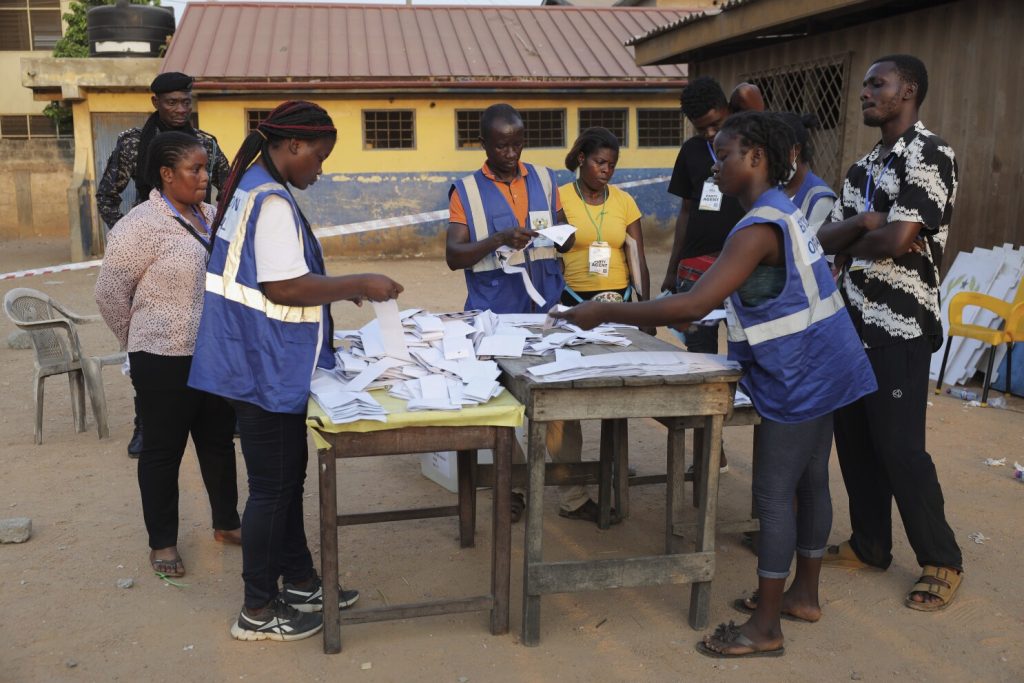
{"x":586,"y":207}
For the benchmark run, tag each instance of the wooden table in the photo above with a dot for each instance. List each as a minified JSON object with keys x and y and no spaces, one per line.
{"x":707,"y":396}
{"x":448,"y":432}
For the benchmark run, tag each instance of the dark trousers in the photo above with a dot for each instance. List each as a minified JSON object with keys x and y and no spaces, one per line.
{"x":170,"y":410}
{"x":880,"y":441}
{"x":273,"y":536}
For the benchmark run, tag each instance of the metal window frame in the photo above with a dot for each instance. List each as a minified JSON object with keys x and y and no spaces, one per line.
{"x":412,"y":123}
{"x":249,"y":112}
{"x":29,"y":135}
{"x":564,"y":115}
{"x":661,"y":110}
{"x":28,"y":9}
{"x":468,"y":148}
{"x":624,"y":140}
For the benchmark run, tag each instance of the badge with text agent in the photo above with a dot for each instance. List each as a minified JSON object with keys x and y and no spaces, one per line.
{"x":710,"y":197}
{"x":600,"y":257}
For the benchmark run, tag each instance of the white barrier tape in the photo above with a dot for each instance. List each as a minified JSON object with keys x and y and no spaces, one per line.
{"x":330,"y":231}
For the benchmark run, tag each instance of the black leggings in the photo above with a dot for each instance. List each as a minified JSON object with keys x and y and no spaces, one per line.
{"x":170,"y":410}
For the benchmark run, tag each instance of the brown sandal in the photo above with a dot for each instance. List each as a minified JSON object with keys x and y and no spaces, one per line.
{"x":942,"y":582}
{"x":172,"y":568}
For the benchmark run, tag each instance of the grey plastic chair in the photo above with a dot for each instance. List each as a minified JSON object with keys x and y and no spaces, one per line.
{"x":58,"y":352}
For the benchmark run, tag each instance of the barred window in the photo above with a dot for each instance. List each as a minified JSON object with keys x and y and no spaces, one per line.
{"x":389,"y":129}
{"x":817,"y":87}
{"x":254,"y":117}
{"x":27,"y":126}
{"x":29,"y":24}
{"x":544,"y":127}
{"x":659,"y":127}
{"x":615,"y":120}
{"x":467,"y":128}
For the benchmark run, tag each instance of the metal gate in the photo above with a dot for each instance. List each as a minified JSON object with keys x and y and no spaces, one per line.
{"x":105,"y":129}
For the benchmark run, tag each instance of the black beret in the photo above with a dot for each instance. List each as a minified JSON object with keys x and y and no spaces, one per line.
{"x":172,"y":81}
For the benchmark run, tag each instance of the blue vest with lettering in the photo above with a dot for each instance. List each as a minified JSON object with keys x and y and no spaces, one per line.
{"x":810,"y":192}
{"x":250,"y":348}
{"x":488,"y":212}
{"x":801,"y":355}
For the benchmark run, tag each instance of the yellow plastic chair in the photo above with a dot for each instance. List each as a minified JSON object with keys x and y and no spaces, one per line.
{"x":987,"y":335}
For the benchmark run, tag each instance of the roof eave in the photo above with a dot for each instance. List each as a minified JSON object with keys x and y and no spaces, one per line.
{"x":435,"y":86}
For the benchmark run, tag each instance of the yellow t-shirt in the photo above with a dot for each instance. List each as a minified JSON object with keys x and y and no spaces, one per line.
{"x":620,"y":210}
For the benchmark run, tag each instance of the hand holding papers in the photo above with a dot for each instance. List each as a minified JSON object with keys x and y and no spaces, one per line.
{"x":558,"y":233}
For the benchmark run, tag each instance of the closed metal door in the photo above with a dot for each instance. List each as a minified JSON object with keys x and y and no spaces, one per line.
{"x":105,"y":129}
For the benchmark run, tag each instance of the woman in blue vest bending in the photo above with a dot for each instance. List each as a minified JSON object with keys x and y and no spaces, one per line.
{"x":266,"y":327}
{"x":789,"y":330}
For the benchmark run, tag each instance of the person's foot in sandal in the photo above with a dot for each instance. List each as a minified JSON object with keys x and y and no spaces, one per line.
{"x":730,"y":641}
{"x":589,"y":512}
{"x":794,"y":607}
{"x":518,"y":505}
{"x":167,"y":562}
{"x":935,"y":590}
{"x":844,"y":557}
{"x":228,"y":536}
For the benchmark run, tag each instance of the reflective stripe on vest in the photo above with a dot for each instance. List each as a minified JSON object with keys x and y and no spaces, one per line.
{"x":812,"y":195}
{"x":818,"y":309}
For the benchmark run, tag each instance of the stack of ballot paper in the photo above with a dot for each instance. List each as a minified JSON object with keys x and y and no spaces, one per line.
{"x":344,"y":406}
{"x":570,"y":365}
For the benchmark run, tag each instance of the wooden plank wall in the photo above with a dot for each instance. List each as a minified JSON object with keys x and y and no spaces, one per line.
{"x":975,"y":58}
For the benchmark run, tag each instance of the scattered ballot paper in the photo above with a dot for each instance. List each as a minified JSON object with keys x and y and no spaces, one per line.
{"x":550,"y":322}
{"x":507,"y":256}
{"x":392,"y":335}
{"x":992,"y":462}
{"x":558,"y":233}
{"x":978,"y":537}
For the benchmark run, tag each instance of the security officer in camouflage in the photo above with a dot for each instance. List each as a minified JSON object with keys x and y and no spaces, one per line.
{"x":172,"y":99}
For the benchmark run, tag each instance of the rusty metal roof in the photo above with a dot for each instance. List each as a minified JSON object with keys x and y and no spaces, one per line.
{"x":265,"y":43}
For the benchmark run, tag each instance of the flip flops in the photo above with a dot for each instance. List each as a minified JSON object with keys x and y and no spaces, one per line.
{"x":944,"y":585}
{"x":172,"y":568}
{"x":742,"y":605}
{"x":728,"y":635}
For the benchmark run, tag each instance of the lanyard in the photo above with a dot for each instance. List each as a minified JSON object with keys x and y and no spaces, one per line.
{"x":711,"y":151}
{"x":868,"y":193}
{"x":597,"y":225}
{"x":204,"y":240}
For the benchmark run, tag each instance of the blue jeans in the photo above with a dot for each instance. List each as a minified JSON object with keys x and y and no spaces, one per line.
{"x":792,"y":462}
{"x":273,"y":536}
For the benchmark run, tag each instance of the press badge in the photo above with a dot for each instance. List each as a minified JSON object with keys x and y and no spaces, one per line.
{"x":600,"y":256}
{"x":710,"y":197}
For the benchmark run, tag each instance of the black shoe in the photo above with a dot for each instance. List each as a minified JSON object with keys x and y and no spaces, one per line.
{"x":589,"y":512}
{"x":312,"y":599}
{"x":276,"y":621}
{"x":135,"y":445}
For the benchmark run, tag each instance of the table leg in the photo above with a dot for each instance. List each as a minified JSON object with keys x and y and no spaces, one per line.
{"x":700,"y":592}
{"x":675,"y":485}
{"x":621,"y":477}
{"x":328,"y":466}
{"x":604,"y":486}
{"x":466,"y":461}
{"x":501,"y":530}
{"x":698,"y":449}
{"x":534,"y":530}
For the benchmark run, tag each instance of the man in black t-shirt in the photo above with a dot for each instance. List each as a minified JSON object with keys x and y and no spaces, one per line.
{"x":706,"y":217}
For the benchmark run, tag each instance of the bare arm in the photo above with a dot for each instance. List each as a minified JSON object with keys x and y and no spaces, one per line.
{"x":682,"y":221}
{"x":868,"y":235}
{"x":314,"y":290}
{"x":740,"y":256}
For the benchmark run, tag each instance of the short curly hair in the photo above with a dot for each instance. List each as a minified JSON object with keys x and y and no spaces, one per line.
{"x":767,"y":131}
{"x":911,"y":70}
{"x":701,"y":96}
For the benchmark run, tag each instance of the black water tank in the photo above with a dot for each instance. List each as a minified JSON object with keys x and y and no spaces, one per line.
{"x":127,"y":30}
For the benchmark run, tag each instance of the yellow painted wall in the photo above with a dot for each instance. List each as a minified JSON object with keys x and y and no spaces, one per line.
{"x":14,"y":97}
{"x":435,"y":130}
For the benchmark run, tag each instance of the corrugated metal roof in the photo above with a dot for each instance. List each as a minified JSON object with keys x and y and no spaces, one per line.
{"x":263,"y":42}
{"x":688,"y":19}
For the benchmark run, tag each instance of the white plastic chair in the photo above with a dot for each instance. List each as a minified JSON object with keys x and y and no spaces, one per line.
{"x":57,"y":354}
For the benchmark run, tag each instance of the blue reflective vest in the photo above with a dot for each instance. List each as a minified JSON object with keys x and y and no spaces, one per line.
{"x":250,"y":348}
{"x":488,"y":212}
{"x":810,"y":192}
{"x":801,"y":355}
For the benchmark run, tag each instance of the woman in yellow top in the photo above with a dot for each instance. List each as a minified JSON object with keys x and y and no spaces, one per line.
{"x":606,"y":264}
{"x":607,"y":261}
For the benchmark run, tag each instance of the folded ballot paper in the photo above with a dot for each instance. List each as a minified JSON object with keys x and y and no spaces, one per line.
{"x":570,"y":365}
{"x":341,"y":405}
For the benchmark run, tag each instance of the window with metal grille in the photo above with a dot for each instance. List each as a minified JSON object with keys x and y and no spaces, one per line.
{"x":544,"y":127}
{"x":817,"y":87}
{"x":467,"y":128}
{"x":615,"y":120}
{"x":254,"y":117}
{"x":389,"y":129}
{"x":26,"y":126}
{"x":659,"y":127}
{"x":29,"y":24}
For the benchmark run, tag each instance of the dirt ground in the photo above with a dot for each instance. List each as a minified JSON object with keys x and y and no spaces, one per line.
{"x":65,"y":619}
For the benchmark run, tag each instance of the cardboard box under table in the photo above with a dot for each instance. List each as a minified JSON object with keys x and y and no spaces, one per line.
{"x":703,"y":397}
{"x":490,"y":425}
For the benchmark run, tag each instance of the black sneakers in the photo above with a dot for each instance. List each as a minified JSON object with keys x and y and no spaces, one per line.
{"x":277,"y":621}
{"x":312,"y":599}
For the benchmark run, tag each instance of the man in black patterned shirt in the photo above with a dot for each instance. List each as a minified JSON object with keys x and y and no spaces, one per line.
{"x":890,"y":225}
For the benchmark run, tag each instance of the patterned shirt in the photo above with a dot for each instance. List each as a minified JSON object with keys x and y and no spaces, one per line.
{"x":151,"y":284}
{"x":121,"y":167}
{"x":897,"y":299}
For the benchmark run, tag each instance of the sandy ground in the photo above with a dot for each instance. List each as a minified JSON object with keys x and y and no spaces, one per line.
{"x":64,"y":618}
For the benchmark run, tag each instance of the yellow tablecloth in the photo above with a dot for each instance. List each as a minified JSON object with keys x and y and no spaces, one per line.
{"x":504,"y":411}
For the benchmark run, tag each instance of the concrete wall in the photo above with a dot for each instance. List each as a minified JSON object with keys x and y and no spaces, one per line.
{"x":34,"y":179}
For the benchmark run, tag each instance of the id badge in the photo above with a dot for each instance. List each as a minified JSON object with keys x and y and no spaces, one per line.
{"x":540,"y":220}
{"x":860,"y":264}
{"x":600,"y":256}
{"x":710,"y":197}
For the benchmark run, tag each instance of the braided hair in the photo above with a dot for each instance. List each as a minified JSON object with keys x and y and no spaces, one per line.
{"x":767,"y":131}
{"x":167,"y":149}
{"x":802,"y":125}
{"x":294,"y":119}
{"x":590,"y":141}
